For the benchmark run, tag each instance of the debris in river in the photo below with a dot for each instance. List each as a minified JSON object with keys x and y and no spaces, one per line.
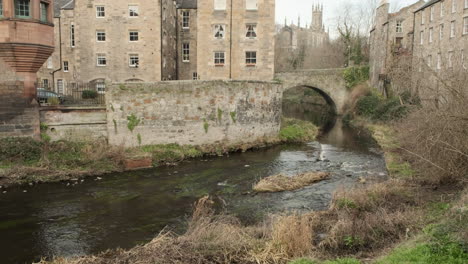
{"x":280,"y":183}
{"x":362,"y":180}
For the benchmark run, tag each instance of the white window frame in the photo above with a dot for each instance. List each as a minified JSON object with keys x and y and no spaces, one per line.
{"x":101,"y":33}
{"x":439,"y":61}
{"x":442,"y":8}
{"x":399,"y":26}
{"x":466,"y":4}
{"x":450,"y":59}
{"x":131,"y":34}
{"x":421,"y":36}
{"x":195,"y":76}
{"x":219,"y":4}
{"x":251,"y":4}
{"x":50,"y":63}
{"x":100,"y":11}
{"x":60,"y":86}
{"x":72,"y":35}
{"x":185,"y":19}
{"x":422,"y":17}
{"x":431,"y":35}
{"x":251,"y":58}
{"x":454,"y":6}
{"x":66,"y":66}
{"x":134,"y":60}
{"x":251,"y":29}
{"x":219,"y":58}
{"x":101,"y":57}
{"x":186,"y":52}
{"x":217,"y":29}
{"x":463,"y":59}
{"x":441,"y":31}
{"x":133,"y":11}
{"x":452,"y":29}
{"x":431,"y":17}
{"x":100,"y":87}
{"x":429,"y":61}
{"x":465,"y":25}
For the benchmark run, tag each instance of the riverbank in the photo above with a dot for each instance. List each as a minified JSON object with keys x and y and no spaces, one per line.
{"x":27,"y":161}
{"x":428,"y":215}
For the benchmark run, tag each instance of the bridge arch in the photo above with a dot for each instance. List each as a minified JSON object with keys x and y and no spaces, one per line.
{"x":328,"y":99}
{"x":328,"y":83}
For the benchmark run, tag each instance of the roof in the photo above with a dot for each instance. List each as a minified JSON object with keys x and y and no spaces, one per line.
{"x":187,"y":4}
{"x":428,"y":4}
{"x":62,"y":4}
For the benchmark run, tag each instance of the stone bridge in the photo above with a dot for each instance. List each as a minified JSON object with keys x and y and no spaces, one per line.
{"x":329,"y":83}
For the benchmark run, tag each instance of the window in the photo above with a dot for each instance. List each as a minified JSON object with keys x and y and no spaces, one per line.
{"x":220,"y":4}
{"x":186,"y":52}
{"x":251,"y":58}
{"x":441,"y":31}
{"x":45,"y":83}
{"x":251,"y":31}
{"x":442,"y":8}
{"x":50,"y":64}
{"x":399,"y":26}
{"x":65,"y":66}
{"x":219,"y":58}
{"x":439,"y":61}
{"x":100,"y":87}
{"x":134,"y":36}
{"x":452,"y":29}
{"x":44,"y":11}
{"x":22,"y":8}
{"x":450,"y":59}
{"x":60,"y":86}
{"x":101,"y":59}
{"x":72,"y":35}
{"x":1,"y":8}
{"x":133,"y":11}
{"x":422,"y":17}
{"x":431,"y":34}
{"x":251,"y":4}
{"x":100,"y":36}
{"x":463,"y":59}
{"x":466,"y":4}
{"x":429,"y":60}
{"x":465,"y":25}
{"x":421,"y":37}
{"x":186,"y":19}
{"x":431,"y":18}
{"x":195,"y":76}
{"x":134,"y":60}
{"x":454,"y":6}
{"x":219,"y":31}
{"x":100,"y":11}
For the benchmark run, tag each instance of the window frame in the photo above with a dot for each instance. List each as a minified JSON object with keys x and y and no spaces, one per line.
{"x":253,"y":31}
{"x":101,"y":57}
{"x":465,"y":25}
{"x":450,"y":59}
{"x":431,"y":16}
{"x":101,"y":34}
{"x":44,"y":11}
{"x":66,"y":66}
{"x":219,"y":5}
{"x":454,"y":6}
{"x":251,"y":58}
{"x":1,"y":8}
{"x":431,"y":35}
{"x":216,"y":29}
{"x":186,"y":52}
{"x":421,"y":36}
{"x":453,"y":30}
{"x":194,"y":76}
{"x":134,"y":60}
{"x":72,"y":35}
{"x":99,"y":12}
{"x":442,"y":8}
{"x":185,"y":19}
{"x":133,"y":13}
{"x":17,"y":9}
{"x":221,"y":59}
{"x":399,"y":26}
{"x":250,"y":8}
{"x":133,"y":34}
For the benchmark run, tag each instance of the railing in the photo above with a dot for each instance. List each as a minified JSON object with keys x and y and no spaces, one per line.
{"x":73,"y":94}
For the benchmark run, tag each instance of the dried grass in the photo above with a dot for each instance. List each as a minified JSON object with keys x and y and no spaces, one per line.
{"x":280,"y":183}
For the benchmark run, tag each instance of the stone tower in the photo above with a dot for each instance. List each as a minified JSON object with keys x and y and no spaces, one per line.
{"x":317,"y":17}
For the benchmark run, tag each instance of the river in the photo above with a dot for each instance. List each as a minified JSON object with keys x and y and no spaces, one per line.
{"x":126,"y":209}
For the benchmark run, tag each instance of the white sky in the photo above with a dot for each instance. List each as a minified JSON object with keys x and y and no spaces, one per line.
{"x":291,"y":9}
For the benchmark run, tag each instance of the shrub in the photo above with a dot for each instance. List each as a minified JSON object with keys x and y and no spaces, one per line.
{"x":355,"y":75}
{"x":390,"y":109}
{"x":367,"y":105}
{"x":53,"y":101}
{"x":20,"y":150}
{"x":89,"y":94}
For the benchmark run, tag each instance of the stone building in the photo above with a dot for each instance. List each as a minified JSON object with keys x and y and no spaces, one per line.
{"x":440,"y":48}
{"x":26,"y":41}
{"x":391,"y":36}
{"x":154,"y":40}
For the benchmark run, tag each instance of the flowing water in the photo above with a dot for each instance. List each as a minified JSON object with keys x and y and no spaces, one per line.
{"x":126,"y":209}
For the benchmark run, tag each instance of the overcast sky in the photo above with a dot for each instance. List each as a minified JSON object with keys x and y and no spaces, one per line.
{"x":291,"y":9}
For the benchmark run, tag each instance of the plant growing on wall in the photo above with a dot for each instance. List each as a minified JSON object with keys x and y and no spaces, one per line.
{"x":133,"y":122}
{"x":220,"y":114}
{"x":206,"y":125}
{"x":233,"y":117}
{"x":139,"y":139}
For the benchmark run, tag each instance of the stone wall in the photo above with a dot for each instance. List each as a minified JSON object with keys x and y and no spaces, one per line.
{"x":75,"y":123}
{"x":193,"y":113}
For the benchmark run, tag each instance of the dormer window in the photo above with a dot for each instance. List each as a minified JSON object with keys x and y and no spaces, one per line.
{"x":22,"y":9}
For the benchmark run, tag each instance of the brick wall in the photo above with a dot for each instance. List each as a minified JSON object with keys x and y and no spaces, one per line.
{"x":194,"y":113}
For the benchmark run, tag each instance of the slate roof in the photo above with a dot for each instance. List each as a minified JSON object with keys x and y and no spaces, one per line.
{"x":62,"y":4}
{"x":187,"y":4}
{"x":428,"y":4}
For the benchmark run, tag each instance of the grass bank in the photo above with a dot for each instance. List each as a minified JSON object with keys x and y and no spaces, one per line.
{"x":297,"y":131}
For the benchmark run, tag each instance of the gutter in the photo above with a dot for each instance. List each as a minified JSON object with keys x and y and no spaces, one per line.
{"x":60,"y":45}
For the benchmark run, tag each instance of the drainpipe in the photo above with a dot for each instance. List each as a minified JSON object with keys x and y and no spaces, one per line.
{"x":230,"y":45}
{"x":177,"y":42}
{"x":161,"y":38}
{"x":60,"y":47}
